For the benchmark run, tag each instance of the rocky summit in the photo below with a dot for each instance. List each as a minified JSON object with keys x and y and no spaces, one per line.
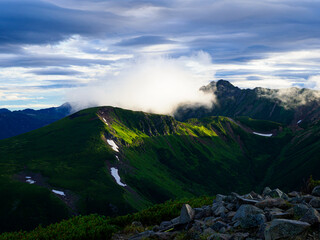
{"x":271,"y":215}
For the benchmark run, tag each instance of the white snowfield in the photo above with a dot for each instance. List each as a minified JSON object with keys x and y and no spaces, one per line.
{"x":113,"y":145}
{"x":115,"y":175}
{"x":28,"y":177}
{"x":118,"y":158}
{"x":58,"y":192}
{"x":299,"y":121}
{"x":263,"y":134}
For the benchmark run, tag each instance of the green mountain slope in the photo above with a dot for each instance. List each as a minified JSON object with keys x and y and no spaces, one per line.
{"x":157,"y":158}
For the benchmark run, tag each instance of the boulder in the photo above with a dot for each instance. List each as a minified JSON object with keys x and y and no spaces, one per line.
{"x":316,"y":191}
{"x":271,"y":203}
{"x":249,"y":216}
{"x":218,"y":225}
{"x":277,"y":193}
{"x":198,"y":213}
{"x":207,"y":211}
{"x":266,"y":191}
{"x":187,"y":214}
{"x":280,"y":215}
{"x":142,"y":235}
{"x":219,"y":236}
{"x":315,"y":202}
{"x":312,"y":216}
{"x":243,"y":200}
{"x":220,"y":198}
{"x":300,"y":210}
{"x":165,"y":224}
{"x":220,"y":211}
{"x":306,"y":198}
{"x":284,"y":228}
{"x":293,"y":194}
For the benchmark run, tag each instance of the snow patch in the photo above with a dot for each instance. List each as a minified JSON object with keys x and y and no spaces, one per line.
{"x":115,"y":175}
{"x":263,"y":134}
{"x":30,"y":181}
{"x":105,"y":121}
{"x":113,"y":145}
{"x":58,"y":192}
{"x":299,"y":121}
{"x":118,"y":158}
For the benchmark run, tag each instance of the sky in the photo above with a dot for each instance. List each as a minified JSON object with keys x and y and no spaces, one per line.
{"x":122,"y":52}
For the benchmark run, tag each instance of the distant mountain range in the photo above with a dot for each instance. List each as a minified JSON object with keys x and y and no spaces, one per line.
{"x":13,"y":123}
{"x":280,"y":105}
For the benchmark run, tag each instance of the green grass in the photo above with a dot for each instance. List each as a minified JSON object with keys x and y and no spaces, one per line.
{"x":161,"y":159}
{"x":95,"y":227}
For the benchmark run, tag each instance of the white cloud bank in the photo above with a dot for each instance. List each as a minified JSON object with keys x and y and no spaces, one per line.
{"x":155,"y":84}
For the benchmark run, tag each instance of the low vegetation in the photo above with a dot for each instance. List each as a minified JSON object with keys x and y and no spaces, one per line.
{"x":99,"y":227}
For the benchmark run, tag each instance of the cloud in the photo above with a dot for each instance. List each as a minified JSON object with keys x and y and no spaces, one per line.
{"x":144,"y":40}
{"x":152,"y":84}
{"x":313,"y":82}
{"x":39,"y":22}
{"x":55,"y":71}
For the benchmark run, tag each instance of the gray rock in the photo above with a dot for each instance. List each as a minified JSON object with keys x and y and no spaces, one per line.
{"x":218,"y":225}
{"x":249,"y":216}
{"x":187,"y":214}
{"x":175,"y":221}
{"x":306,"y":198}
{"x":219,"y":236}
{"x":266,"y":191}
{"x":277,"y":193}
{"x":315,"y":202}
{"x":142,"y":235}
{"x":284,"y":228}
{"x":220,"y":211}
{"x":207,"y":212}
{"x":272,"y":202}
{"x":216,"y":205}
{"x":293,"y":194}
{"x":231,"y":206}
{"x":247,"y":196}
{"x":220,"y":198}
{"x":280,"y":215}
{"x":165,"y":224}
{"x":312,"y":216}
{"x":136,"y":224}
{"x":243,"y":200}
{"x":199,"y":213}
{"x":207,"y":232}
{"x":316,"y":191}
{"x":239,"y":236}
{"x":300,"y":210}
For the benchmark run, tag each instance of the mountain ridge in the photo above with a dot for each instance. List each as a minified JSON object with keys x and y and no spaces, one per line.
{"x":85,"y":156}
{"x":280,"y":105}
{"x":13,"y":123}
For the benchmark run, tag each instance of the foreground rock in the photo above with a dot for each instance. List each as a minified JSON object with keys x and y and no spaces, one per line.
{"x":284,"y":228}
{"x":249,"y":216}
{"x":272,"y":215}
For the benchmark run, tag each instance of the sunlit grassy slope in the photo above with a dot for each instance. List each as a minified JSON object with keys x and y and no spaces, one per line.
{"x":159,"y":159}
